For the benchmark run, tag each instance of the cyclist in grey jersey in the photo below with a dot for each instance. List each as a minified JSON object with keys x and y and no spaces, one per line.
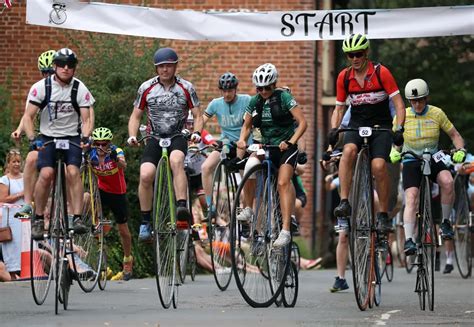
{"x":167,"y":99}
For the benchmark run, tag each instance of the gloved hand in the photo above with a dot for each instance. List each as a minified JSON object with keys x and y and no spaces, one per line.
{"x":333,"y":137}
{"x":36,"y":145}
{"x":459,"y":156}
{"x":93,"y":157}
{"x":395,"y":156}
{"x":302,"y":158}
{"x":398,"y":137}
{"x":113,"y":155}
{"x":132,"y":140}
{"x":85,"y":141}
{"x":196,"y":137}
{"x":233,"y":164}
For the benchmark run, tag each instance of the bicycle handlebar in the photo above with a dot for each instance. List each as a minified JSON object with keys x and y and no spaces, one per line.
{"x":374,"y":129}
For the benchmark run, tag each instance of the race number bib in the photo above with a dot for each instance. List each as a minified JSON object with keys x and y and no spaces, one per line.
{"x":165,"y":143}
{"x":365,"y":131}
{"x":439,"y":156}
{"x":62,"y":144}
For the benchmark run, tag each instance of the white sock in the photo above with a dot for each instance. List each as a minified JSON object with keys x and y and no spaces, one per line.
{"x":446,"y":210}
{"x":409,"y":230}
{"x":449,"y":257}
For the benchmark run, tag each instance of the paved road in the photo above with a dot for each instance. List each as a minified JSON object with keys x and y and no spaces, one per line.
{"x":135,"y":303}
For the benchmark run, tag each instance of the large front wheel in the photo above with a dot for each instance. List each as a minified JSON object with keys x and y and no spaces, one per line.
{"x":223,"y":197}
{"x":428,"y":240}
{"x":259,"y":270}
{"x":165,"y":233}
{"x":462,"y":227}
{"x":361,"y":230}
{"x":88,"y":247}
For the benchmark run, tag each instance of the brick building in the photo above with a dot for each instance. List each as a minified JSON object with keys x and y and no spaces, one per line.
{"x":299,"y":65}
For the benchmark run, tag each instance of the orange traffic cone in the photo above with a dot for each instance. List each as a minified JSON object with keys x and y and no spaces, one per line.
{"x":26,"y":269}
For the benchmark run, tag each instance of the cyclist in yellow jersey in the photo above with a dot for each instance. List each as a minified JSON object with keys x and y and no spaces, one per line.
{"x":423,"y":123}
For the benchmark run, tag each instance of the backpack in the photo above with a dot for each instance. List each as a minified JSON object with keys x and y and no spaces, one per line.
{"x":47,"y":98}
{"x":280,"y":118}
{"x":348,"y":71}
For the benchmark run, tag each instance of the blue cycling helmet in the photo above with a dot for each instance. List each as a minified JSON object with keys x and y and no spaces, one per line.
{"x":165,"y":56}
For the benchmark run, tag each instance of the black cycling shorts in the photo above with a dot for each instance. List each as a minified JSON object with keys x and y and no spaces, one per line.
{"x":152,"y":152}
{"x":288,"y":156}
{"x":380,"y":143}
{"x":195,"y":185}
{"x":117,"y":203}
{"x":47,"y":156}
{"x":302,"y":198}
{"x":394,"y":175}
{"x":412,"y":173}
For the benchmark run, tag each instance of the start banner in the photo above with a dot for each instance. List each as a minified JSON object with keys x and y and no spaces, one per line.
{"x":250,"y":25}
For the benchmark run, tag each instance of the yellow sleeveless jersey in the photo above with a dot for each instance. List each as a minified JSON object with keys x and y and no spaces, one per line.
{"x":422,"y":130}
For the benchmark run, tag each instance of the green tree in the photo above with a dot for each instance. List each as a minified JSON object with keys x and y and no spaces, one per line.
{"x":8,"y":123}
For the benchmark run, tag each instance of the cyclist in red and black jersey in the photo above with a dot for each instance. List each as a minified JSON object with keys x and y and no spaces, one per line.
{"x":368,"y":87}
{"x":108,"y":163}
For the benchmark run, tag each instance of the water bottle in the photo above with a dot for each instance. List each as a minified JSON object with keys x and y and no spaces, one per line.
{"x":142,"y":130}
{"x":226,"y":146}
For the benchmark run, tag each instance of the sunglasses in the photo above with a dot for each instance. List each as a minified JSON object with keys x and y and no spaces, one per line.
{"x":14,"y":152}
{"x":63,"y":64}
{"x":266,"y":88}
{"x":358,"y":54}
{"x":101,"y":143}
{"x":418,"y":100}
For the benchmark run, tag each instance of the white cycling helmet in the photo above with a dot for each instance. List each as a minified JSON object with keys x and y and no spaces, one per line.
{"x":265,"y":75}
{"x":416,"y":89}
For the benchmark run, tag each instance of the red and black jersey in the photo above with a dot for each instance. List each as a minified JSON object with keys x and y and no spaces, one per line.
{"x":370,"y":102}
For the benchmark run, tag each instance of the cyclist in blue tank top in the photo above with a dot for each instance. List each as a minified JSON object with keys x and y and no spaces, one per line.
{"x":230,"y":110}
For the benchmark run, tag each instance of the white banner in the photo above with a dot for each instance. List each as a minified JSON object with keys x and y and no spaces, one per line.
{"x":251,"y":26}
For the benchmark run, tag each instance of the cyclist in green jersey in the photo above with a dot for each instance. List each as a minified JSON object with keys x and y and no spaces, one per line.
{"x":281,"y":123}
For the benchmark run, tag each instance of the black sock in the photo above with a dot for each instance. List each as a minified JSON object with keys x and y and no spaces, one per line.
{"x":344,"y":200}
{"x":146,"y":217}
{"x":39,"y":217}
{"x":181,"y":203}
{"x":77,"y":217}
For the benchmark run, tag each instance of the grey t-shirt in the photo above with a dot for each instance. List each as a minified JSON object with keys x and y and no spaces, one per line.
{"x":167,"y":109}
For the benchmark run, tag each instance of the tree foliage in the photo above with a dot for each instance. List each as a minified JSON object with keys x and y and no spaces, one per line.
{"x":6,"y":118}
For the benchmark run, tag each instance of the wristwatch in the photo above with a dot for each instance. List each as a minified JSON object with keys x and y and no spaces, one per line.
{"x":288,"y":143}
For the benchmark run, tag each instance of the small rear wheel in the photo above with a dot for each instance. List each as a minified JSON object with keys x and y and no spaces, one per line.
{"x":290,"y":290}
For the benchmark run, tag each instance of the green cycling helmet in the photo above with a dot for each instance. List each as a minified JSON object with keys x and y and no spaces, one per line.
{"x":355,"y":42}
{"x":45,"y":61}
{"x":102,"y":134}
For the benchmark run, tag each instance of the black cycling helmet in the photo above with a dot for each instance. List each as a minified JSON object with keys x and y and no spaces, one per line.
{"x":228,"y":81}
{"x":65,"y":56}
{"x":165,"y":56}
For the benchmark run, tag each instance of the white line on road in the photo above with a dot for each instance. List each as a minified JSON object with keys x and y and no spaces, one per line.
{"x":384,"y":317}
